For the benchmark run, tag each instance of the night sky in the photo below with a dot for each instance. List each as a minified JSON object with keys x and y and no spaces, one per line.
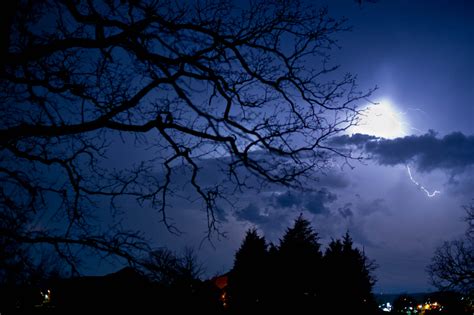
{"x":419,"y":54}
{"x":400,"y":202}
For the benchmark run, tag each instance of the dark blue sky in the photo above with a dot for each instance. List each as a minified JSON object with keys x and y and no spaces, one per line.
{"x":399,"y":204}
{"x":419,"y":54}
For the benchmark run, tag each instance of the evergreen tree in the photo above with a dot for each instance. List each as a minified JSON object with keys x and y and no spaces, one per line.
{"x":273,"y":282}
{"x":299,"y":261}
{"x":300,"y":239}
{"x":348,"y":279}
{"x":247,"y":279}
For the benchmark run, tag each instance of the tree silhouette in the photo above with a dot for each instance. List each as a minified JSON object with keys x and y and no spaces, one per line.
{"x":179,"y":279}
{"x":250,"y":89}
{"x":348,"y":279}
{"x":248,"y":278}
{"x":295,"y":277}
{"x":168,"y":268}
{"x":22,"y":276}
{"x":299,"y":262}
{"x":452,"y":265}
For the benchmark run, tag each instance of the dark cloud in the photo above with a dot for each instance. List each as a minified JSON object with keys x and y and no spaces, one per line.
{"x":287,"y":200}
{"x":357,"y":139}
{"x":316,"y":203}
{"x":345,"y":211}
{"x":462,"y":184}
{"x":270,"y":220}
{"x":454,"y":151}
{"x":278,"y":207}
{"x":252,"y":214}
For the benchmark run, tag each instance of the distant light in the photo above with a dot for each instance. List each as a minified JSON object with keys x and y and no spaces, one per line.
{"x":46,"y":296}
{"x":387,"y":307}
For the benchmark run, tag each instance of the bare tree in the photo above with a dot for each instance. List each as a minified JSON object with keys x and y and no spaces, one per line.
{"x":251,"y":87}
{"x":169,"y":268}
{"x":452,"y":266}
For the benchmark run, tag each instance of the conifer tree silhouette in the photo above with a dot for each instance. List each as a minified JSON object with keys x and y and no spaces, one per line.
{"x":348,"y":278}
{"x":248,"y":277}
{"x":299,"y":261}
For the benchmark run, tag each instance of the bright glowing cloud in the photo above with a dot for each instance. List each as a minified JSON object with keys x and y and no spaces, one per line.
{"x":381,"y":120}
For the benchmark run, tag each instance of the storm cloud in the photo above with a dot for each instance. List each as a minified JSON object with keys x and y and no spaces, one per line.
{"x":282,"y":204}
{"x":427,"y":152}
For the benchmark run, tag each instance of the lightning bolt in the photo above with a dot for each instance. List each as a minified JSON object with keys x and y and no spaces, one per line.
{"x":416,"y":109}
{"x":428,"y":193}
{"x":420,"y":186}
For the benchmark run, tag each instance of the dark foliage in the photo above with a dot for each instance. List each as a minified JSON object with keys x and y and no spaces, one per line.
{"x":296,"y":277}
{"x":247,"y":289}
{"x":299,"y":267}
{"x":171,"y":284}
{"x":348,"y":278}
